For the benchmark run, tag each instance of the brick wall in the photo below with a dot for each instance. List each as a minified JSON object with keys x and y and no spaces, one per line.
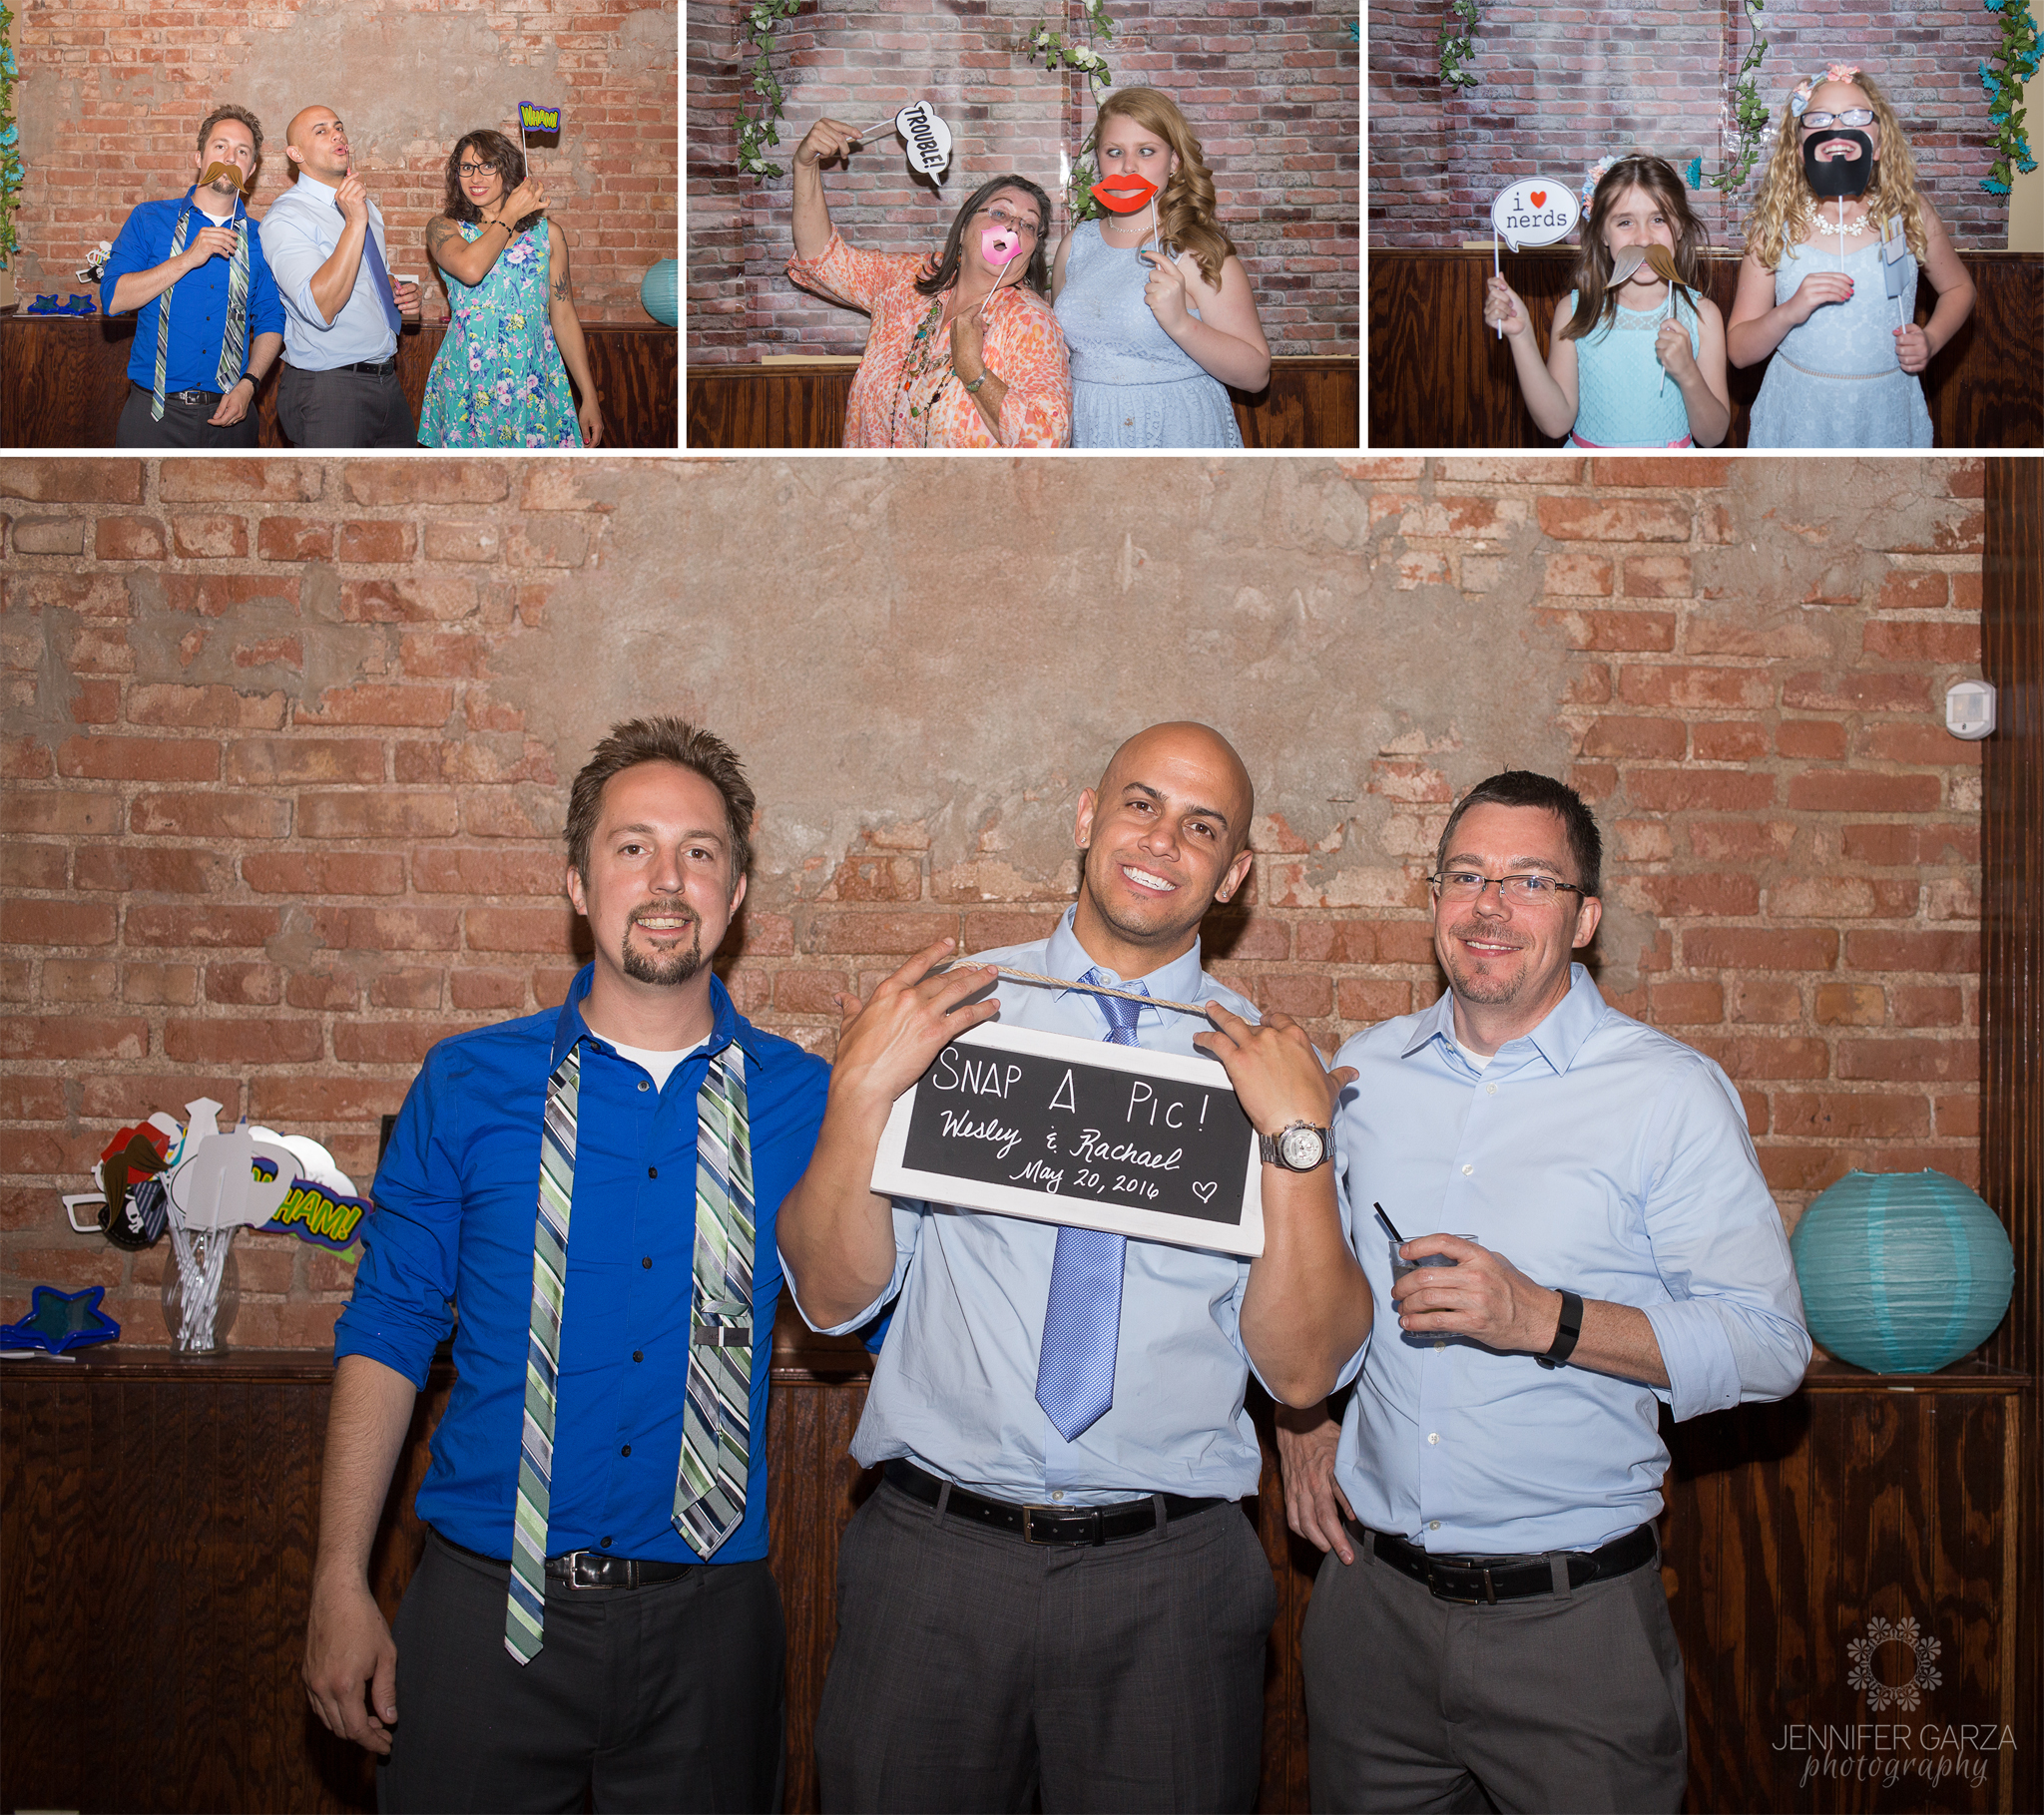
{"x":113,"y":92}
{"x":1559,"y":89}
{"x":1268,"y":85}
{"x":286,"y":744}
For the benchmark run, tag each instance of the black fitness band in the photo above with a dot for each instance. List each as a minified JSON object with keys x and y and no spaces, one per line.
{"x":1566,"y":1332}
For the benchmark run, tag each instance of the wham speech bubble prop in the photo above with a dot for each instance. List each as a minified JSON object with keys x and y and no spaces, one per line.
{"x":534,"y":118}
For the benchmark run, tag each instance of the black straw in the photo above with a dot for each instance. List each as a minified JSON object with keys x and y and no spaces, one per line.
{"x":1390,"y":1228}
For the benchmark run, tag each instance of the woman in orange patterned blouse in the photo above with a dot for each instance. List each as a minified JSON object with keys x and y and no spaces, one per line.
{"x":964,"y":350}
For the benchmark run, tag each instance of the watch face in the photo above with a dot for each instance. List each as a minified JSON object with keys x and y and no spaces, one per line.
{"x":1299,"y":1148}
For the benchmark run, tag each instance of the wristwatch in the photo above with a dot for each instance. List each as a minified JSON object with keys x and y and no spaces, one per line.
{"x":1567,"y":1329}
{"x":1297,"y":1149}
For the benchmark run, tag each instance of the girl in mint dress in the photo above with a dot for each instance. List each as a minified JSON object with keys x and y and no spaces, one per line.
{"x":501,"y":378}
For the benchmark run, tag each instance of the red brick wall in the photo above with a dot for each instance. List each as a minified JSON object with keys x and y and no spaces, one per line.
{"x":1560,"y":89}
{"x":113,"y":93}
{"x":280,"y":812}
{"x":1270,"y":86}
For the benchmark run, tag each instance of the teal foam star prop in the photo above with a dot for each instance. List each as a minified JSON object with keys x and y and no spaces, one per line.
{"x":60,"y":1321}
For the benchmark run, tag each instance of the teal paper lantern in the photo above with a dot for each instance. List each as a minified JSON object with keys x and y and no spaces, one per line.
{"x":1902,"y":1272}
{"x":657,"y":293}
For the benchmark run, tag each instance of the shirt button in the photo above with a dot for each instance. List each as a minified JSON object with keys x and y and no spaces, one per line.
{"x":1440,"y":1345}
{"x":1467,"y":1170}
{"x":638,"y":1354}
{"x":647,"y":1262}
{"x":652,"y":1172}
{"x":644,"y":1086}
{"x":1433,"y":1437}
{"x":606,"y":1544}
{"x":1491,"y":1087}
{"x":1059,"y":1494}
{"x":626,"y":1450}
{"x":1433,"y":1525}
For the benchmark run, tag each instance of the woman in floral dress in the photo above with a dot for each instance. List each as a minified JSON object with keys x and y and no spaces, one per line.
{"x":501,"y":377}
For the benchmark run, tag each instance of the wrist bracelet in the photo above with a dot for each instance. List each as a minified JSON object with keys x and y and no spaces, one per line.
{"x":1567,"y":1330}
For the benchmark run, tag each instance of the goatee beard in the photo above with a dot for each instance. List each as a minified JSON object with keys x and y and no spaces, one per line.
{"x":668,"y":970}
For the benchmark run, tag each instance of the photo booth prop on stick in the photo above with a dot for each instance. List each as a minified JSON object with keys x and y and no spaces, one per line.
{"x":1535,"y":210}
{"x":927,"y":138}
{"x":1079,"y":1131}
{"x":1124,"y":193}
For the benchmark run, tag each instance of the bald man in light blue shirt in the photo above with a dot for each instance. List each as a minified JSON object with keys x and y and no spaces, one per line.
{"x":1597,"y":1241}
{"x":1055,"y":1594}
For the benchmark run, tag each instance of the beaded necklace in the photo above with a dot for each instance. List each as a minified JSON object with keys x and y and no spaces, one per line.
{"x":921,"y":359}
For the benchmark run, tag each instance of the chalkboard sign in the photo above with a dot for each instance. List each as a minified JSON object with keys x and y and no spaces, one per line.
{"x":1079,"y":1131}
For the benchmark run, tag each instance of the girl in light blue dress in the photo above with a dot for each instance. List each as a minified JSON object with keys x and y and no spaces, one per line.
{"x":1637,"y":361}
{"x":1828,"y":287}
{"x":1154,"y":304}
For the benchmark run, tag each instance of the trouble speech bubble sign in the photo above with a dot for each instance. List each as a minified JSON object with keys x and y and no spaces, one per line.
{"x":1079,"y":1131}
{"x":1535,"y":210}
{"x":928,"y":137}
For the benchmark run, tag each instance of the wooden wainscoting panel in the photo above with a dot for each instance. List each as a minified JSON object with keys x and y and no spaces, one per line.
{"x":1439,"y":378}
{"x":64,"y":380}
{"x":1309,"y":402}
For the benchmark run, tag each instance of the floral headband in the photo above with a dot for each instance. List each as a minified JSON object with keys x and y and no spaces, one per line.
{"x":1599,"y":171}
{"x":1798,"y":99}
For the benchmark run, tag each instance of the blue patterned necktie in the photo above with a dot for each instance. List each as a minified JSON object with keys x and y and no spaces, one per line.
{"x":709,"y":1484}
{"x":1082,"y":1321}
{"x":373,"y":257}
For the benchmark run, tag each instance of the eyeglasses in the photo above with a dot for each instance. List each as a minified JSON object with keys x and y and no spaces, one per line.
{"x":1530,"y":889}
{"x":1015,"y":224}
{"x":1852,"y":115}
{"x":474,"y":170}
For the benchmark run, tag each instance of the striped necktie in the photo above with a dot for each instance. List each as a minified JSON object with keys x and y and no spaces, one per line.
{"x":1081,"y":1319}
{"x":710,"y":1486}
{"x":233,"y":338}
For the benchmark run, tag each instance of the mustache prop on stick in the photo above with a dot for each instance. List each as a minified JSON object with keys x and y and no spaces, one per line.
{"x":1662,"y":263}
{"x":215,"y":171}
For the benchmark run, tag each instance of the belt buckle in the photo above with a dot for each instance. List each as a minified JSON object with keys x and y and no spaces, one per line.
{"x":1029,"y":1524}
{"x":580,"y":1561}
{"x":1487,"y":1598}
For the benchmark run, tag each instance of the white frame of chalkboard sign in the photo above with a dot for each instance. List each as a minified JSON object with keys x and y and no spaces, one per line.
{"x":892,"y":1179}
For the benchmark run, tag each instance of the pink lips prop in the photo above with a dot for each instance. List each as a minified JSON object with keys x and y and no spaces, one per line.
{"x":999,"y":244}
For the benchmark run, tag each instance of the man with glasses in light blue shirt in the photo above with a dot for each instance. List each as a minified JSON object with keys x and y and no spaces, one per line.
{"x":1054,"y":1592}
{"x":1490,"y":1622}
{"x":325,"y":241}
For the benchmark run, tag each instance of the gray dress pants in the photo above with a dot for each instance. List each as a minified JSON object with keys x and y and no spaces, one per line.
{"x":1571,"y":1700}
{"x":977,"y":1671}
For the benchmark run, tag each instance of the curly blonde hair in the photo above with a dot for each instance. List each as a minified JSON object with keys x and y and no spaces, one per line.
{"x":1786,"y":197}
{"x":1185,"y":210}
{"x":1596,"y":301}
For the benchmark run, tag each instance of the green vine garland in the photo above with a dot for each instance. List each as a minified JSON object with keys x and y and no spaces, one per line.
{"x":10,"y":143}
{"x":1749,"y":109}
{"x":1059,"y":51}
{"x":1459,"y":45}
{"x":758,"y":131}
{"x":2018,"y":59}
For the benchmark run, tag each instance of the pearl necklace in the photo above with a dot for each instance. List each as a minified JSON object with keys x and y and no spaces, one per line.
{"x":1815,"y":222}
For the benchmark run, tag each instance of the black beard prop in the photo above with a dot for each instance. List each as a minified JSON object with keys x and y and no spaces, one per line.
{"x":1832,"y":177}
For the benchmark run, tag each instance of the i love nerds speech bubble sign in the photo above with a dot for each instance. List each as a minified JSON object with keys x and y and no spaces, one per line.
{"x":1535,"y":210}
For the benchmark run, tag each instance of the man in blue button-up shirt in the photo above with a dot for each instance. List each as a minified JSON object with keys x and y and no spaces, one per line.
{"x":1037,"y":1601}
{"x":343,"y":306}
{"x":190,"y":255}
{"x":658,"y":1683}
{"x":1597,"y":1240}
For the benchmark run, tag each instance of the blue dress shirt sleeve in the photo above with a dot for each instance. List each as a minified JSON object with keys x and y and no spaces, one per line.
{"x":411,"y":1239}
{"x":266,"y":306}
{"x":141,"y":245}
{"x":1733,"y":1329}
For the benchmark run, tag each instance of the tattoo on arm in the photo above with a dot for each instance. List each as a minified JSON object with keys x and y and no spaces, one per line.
{"x":561,"y":287}
{"x":438,"y":231}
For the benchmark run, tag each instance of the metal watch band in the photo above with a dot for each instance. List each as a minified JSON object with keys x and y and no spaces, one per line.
{"x":1270,"y":1146}
{"x":1566,"y":1332}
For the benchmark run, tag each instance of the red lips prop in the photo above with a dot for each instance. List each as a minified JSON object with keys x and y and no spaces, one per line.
{"x":1124,"y":195}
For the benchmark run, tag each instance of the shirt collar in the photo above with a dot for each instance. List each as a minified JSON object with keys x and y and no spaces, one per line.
{"x":1558,"y":1038}
{"x":305,"y":178}
{"x":726,"y":1025}
{"x":1177,"y":981}
{"x":192,"y":201}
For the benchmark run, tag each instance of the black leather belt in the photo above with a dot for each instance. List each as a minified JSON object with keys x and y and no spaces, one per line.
{"x":589,"y":1569}
{"x":375,"y":367}
{"x":187,"y":397}
{"x":1048,"y":1525}
{"x":1493,"y":1578}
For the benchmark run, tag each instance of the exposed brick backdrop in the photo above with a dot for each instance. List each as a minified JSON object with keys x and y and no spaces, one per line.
{"x":113,"y":92}
{"x":1559,"y":89}
{"x":287,"y":749}
{"x":1270,"y":86}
